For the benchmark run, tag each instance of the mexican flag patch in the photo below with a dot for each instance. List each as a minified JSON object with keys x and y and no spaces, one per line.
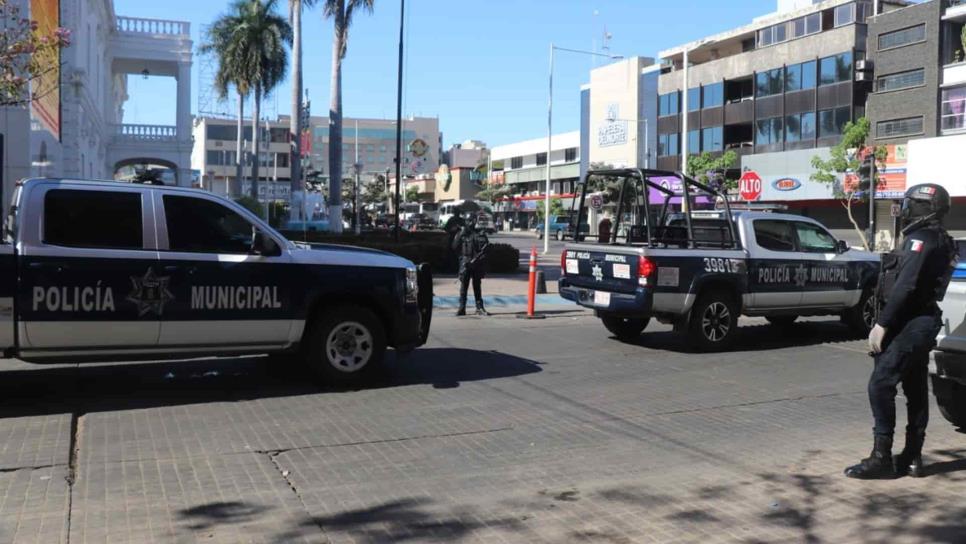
{"x":916,"y":246}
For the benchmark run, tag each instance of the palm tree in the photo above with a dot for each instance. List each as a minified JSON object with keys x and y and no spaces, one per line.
{"x":341,"y":12}
{"x":295,"y":130}
{"x":250,"y":42}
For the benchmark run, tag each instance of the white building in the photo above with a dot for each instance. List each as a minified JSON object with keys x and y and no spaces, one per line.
{"x":523,"y":166}
{"x":79,"y":131}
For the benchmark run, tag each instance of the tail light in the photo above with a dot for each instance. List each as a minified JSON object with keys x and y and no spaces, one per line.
{"x":563,"y":263}
{"x":645,"y":269}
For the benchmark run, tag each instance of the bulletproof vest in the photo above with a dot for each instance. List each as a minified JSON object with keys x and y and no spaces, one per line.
{"x":891,"y":266}
{"x":472,"y":244}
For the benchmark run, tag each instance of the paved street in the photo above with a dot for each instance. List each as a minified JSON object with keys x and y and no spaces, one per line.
{"x":499,"y":431}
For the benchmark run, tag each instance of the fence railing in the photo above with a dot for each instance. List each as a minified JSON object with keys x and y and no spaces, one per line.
{"x":136,"y":25}
{"x":147,"y":133}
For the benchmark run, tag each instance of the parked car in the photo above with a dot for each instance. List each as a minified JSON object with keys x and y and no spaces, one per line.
{"x":561,"y":227}
{"x":949,"y":358}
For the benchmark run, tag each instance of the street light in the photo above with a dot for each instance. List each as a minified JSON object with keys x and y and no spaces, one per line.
{"x":546,"y":214}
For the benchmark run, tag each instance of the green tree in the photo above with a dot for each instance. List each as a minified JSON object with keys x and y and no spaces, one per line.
{"x":609,"y":186}
{"x":702,"y":167}
{"x":493,"y":192}
{"x":250,"y":43}
{"x":295,"y":8}
{"x":341,"y":13}
{"x":846,"y":157}
{"x":28,"y":55}
{"x":252,"y":205}
{"x":412,"y":194}
{"x":556,"y":208}
{"x":374,"y":193}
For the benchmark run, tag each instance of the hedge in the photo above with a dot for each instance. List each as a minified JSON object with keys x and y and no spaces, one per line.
{"x":418,"y":247}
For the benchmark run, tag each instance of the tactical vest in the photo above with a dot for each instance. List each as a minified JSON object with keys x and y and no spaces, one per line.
{"x":891,"y":266}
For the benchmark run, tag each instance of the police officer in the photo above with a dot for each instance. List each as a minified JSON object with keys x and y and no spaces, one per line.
{"x":471,"y":243}
{"x":914,"y":278}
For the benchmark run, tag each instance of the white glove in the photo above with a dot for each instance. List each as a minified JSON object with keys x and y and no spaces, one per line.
{"x":876,"y":337}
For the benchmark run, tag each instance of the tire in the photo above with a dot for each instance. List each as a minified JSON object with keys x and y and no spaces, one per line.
{"x":625,"y":328}
{"x":713,"y":325}
{"x":558,"y":236}
{"x":861,"y":317}
{"x":345,"y":346}
{"x":951,"y":399}
{"x":781,"y":320}
{"x":539,"y":235}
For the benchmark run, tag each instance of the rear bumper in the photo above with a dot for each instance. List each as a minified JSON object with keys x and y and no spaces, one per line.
{"x":637,"y":304}
{"x":950,"y":365}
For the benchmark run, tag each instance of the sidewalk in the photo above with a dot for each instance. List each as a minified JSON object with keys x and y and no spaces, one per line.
{"x":501,"y":291}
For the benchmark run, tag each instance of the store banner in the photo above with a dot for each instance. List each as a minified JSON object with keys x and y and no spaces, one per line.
{"x":786,"y":176}
{"x":46,"y":87}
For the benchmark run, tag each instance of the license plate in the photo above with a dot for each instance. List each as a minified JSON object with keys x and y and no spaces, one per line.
{"x":573,"y":266}
{"x":602,"y":298}
{"x":621,"y":271}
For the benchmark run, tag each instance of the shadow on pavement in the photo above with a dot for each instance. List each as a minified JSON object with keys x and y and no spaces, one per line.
{"x":760,"y":337}
{"x":123,"y":386}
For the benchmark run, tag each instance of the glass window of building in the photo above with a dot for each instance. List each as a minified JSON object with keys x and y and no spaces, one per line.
{"x":953,"y":111}
{"x":844,"y":15}
{"x":278,"y":135}
{"x":780,"y":33}
{"x":793,"y":78}
{"x":713,"y":96}
{"x":899,"y":127}
{"x":809,"y":74}
{"x":808,"y":126}
{"x":863,"y":10}
{"x":213,"y":157}
{"x":668,"y":104}
{"x":813,"y":23}
{"x":768,"y":83}
{"x":906,"y":36}
{"x":798,"y":27}
{"x":516,"y":162}
{"x":768,"y":131}
{"x":694,"y":99}
{"x":667,"y":144}
{"x":832,"y":122}
{"x":835,"y":69}
{"x":902,"y":80}
{"x":764,"y":37}
{"x":711,"y":139}
{"x":694,"y":141}
{"x":570,"y":154}
{"x":541,"y":159}
{"x":226,"y":132}
{"x":800,"y":127}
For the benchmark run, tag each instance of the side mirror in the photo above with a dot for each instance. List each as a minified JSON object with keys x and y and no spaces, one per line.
{"x":264,"y":245}
{"x":842,"y":246}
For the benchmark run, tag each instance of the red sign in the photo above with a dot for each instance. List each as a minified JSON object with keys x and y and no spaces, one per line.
{"x":750,"y":186}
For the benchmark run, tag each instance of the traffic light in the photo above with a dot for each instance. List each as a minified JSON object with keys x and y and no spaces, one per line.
{"x":866,"y":172}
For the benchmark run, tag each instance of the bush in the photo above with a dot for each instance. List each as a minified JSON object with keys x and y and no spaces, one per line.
{"x":503,"y":258}
{"x":418,"y":247}
{"x":251,"y":205}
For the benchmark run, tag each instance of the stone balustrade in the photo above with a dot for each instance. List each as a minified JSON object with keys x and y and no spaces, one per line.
{"x":155,"y":27}
{"x":147,"y":133}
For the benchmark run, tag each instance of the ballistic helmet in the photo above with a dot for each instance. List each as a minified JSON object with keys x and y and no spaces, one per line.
{"x":923,"y":203}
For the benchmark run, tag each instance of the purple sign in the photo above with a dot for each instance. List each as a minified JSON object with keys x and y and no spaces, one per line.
{"x":675,"y":185}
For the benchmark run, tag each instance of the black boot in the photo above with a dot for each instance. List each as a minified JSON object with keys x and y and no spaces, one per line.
{"x":480,"y":310}
{"x":461,"y":311}
{"x":909,"y":461}
{"x":878,"y":465}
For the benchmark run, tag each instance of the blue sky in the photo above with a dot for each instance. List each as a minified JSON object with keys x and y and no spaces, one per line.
{"x":481,"y":67}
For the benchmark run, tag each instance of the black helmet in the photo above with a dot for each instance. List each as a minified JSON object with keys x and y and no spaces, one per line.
{"x":923,"y":203}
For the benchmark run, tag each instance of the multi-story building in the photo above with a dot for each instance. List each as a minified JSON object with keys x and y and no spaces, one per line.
{"x":469,"y":154}
{"x":918,"y":107}
{"x":523,"y":166}
{"x":215,"y":145}
{"x":78,"y":130}
{"x":778,"y":92}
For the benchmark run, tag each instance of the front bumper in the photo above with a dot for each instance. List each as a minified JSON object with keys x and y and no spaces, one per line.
{"x":637,"y":304}
{"x":412,"y":325}
{"x":949,"y":365}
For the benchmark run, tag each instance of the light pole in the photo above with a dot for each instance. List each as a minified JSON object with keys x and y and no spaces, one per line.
{"x":546,"y":214}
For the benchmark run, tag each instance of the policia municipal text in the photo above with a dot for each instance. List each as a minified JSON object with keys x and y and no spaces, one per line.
{"x":914,"y":278}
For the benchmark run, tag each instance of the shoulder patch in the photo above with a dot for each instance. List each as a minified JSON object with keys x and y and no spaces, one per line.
{"x":916,"y":246}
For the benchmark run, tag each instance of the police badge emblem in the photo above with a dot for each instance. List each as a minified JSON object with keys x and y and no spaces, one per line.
{"x":149,"y":293}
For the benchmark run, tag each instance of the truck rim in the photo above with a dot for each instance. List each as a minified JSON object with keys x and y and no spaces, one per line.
{"x":868,"y":312}
{"x":716,"y":322}
{"x":349,"y":346}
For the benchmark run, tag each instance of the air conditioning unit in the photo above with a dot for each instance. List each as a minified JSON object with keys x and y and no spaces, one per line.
{"x":864,"y":77}
{"x":864,"y":65}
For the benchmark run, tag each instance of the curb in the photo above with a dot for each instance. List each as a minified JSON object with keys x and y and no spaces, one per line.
{"x":502,"y":301}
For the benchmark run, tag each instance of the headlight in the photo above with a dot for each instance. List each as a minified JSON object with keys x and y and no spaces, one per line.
{"x":412,"y":286}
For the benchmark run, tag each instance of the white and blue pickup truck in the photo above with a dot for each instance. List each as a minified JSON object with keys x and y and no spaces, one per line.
{"x":948,"y":367}
{"x":700,"y":272}
{"x":100,"y":271}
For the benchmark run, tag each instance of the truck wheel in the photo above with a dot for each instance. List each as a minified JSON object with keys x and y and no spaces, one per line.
{"x":781,"y":320}
{"x":625,"y":328}
{"x":345,"y":345}
{"x":861,"y":317}
{"x":951,"y":399}
{"x":714,"y":322}
{"x":539,"y":235}
{"x":558,"y":236}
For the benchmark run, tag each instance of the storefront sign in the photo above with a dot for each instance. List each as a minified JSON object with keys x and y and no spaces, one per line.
{"x":786,"y":184}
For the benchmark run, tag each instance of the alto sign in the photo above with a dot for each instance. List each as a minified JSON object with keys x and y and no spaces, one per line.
{"x":786,"y":184}
{"x":749,"y":186}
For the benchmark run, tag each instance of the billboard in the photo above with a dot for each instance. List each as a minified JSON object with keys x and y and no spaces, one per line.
{"x":46,"y":108}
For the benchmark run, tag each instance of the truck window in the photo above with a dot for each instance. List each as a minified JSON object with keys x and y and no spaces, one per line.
{"x":198,"y":225}
{"x":814,"y":239}
{"x":775,"y":235}
{"x":93,"y":219}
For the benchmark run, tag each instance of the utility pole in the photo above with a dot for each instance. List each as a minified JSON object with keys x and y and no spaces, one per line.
{"x":399,"y":86}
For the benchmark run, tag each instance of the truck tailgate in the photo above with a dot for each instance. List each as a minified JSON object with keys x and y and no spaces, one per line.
{"x":602,"y":269}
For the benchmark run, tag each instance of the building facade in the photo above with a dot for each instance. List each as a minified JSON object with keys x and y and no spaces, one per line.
{"x":469,"y":154}
{"x":523,"y":166}
{"x":78,"y":131}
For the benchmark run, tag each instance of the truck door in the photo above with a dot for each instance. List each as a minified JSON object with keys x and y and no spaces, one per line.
{"x":223,"y":293}
{"x":8,"y":288}
{"x":89,"y":276}
{"x":775,"y":270}
{"x":828,"y":281}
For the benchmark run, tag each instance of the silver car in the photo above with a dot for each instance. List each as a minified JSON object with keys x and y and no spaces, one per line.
{"x":949,"y":358}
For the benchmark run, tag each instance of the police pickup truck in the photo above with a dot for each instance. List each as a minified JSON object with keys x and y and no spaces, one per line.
{"x":948,"y":368}
{"x":699,"y":272}
{"x":97,"y":271}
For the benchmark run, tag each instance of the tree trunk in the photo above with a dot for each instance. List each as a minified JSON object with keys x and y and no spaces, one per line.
{"x":855,"y":224}
{"x":295,"y":132}
{"x":256,"y":141}
{"x":236,"y":187}
{"x":335,"y":131}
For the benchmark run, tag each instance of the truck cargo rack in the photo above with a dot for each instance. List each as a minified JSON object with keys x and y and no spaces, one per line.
{"x":696,"y":233}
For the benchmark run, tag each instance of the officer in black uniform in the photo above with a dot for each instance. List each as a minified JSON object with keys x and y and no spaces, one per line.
{"x":914,"y":278}
{"x":471,"y":243}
